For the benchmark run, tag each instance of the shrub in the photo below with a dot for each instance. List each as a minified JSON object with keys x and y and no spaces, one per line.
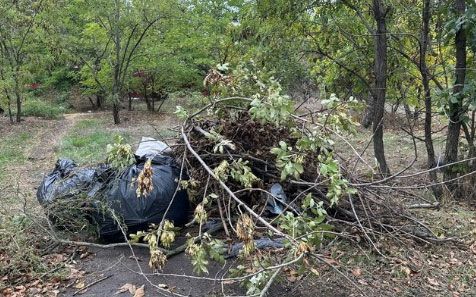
{"x":42,"y":109}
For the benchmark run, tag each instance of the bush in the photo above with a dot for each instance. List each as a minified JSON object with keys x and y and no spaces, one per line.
{"x":42,"y":109}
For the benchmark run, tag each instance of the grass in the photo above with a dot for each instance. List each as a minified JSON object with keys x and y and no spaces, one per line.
{"x":42,"y":109}
{"x":86,"y":142}
{"x":12,"y":151}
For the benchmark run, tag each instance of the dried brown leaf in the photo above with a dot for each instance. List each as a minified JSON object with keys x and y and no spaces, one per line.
{"x":140,"y":292}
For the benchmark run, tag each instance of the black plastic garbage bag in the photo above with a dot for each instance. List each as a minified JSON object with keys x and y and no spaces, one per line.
{"x":70,"y":193}
{"x":137,"y":213}
{"x":68,"y":181}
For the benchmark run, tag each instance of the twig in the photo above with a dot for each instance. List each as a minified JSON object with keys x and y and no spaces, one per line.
{"x":270,"y":282}
{"x":424,"y":205}
{"x":91,"y":284}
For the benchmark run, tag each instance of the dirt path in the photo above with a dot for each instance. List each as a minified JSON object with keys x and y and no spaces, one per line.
{"x":41,"y":152}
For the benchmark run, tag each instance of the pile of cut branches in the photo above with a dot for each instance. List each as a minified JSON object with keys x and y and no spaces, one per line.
{"x":235,"y":149}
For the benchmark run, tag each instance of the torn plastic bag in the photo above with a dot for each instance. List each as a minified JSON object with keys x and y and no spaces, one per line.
{"x":67,"y":181}
{"x":137,"y":213}
{"x":260,"y":244}
{"x":277,"y":200}
{"x":67,"y":193}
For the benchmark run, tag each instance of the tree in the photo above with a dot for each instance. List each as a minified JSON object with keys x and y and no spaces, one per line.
{"x":456,"y":104}
{"x":380,"y":11}
{"x":121,"y":26}
{"x":18,"y":22}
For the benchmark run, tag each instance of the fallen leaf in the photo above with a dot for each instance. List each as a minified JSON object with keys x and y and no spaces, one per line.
{"x":79,"y":285}
{"x":314,"y":270}
{"x":140,"y":292}
{"x":433,"y":282}
{"x":473,"y":248}
{"x":127,"y":287}
{"x":331,"y":262}
{"x":357,"y":272}
{"x":406,"y":270}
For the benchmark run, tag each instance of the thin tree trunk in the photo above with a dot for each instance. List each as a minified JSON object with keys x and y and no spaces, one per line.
{"x":408,"y":112}
{"x":115,"y":113}
{"x":455,"y":108}
{"x":146,"y":98}
{"x":99,"y":99}
{"x":116,"y":89}
{"x":18,"y":98}
{"x":380,"y":14}
{"x":9,"y":105}
{"x":130,"y":100}
{"x":431,"y":162}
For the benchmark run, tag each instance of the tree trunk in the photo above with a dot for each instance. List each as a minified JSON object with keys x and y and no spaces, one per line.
{"x":380,"y":14}
{"x":455,"y":108}
{"x":424,"y":39}
{"x":18,"y":98}
{"x":99,"y":99}
{"x":9,"y":106}
{"x":130,"y":100}
{"x":116,"y":85}
{"x":408,"y":112}
{"x":146,"y":98}
{"x":115,"y":113}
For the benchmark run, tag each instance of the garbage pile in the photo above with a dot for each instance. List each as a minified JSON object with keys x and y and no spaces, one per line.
{"x":102,"y":196}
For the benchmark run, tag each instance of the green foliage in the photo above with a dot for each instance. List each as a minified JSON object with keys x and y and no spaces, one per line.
{"x":241,"y":172}
{"x":180,"y":112}
{"x":338,"y":117}
{"x":308,"y":227}
{"x":289,"y":161}
{"x":220,"y":142}
{"x":337,"y":185}
{"x":200,"y":253}
{"x":274,"y":108}
{"x":119,"y":154}
{"x":42,"y":109}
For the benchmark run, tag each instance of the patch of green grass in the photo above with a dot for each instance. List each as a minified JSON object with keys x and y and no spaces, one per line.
{"x":87,"y":141}
{"x":42,"y":109}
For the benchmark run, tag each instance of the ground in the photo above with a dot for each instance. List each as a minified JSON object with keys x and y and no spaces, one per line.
{"x":404,"y":267}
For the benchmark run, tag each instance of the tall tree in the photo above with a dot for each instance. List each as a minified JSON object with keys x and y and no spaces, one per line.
{"x":380,"y":12}
{"x":456,"y":104}
{"x":425,"y":77}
